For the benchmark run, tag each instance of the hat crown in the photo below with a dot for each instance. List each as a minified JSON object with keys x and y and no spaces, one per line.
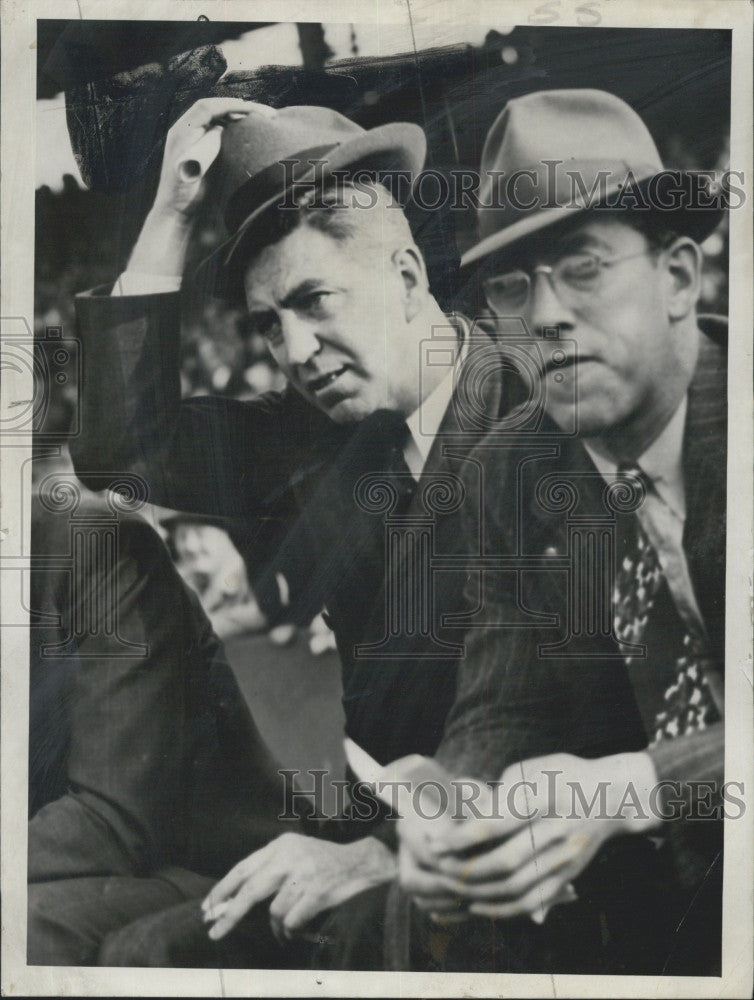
{"x":554,"y":153}
{"x":265,"y":137}
{"x":580,"y":125}
{"x":270,"y":157}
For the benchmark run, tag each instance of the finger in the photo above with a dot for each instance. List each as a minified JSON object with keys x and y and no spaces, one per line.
{"x":206,"y":111}
{"x":557,"y":861}
{"x":567,"y":895}
{"x":445,"y":919}
{"x":302,"y":911}
{"x":508,"y":857}
{"x":561,"y":860}
{"x":230,"y":884}
{"x":200,"y":156}
{"x":440,"y":904}
{"x":416,"y":835}
{"x":422,"y":881}
{"x":212,"y":914}
{"x":532,"y":904}
{"x":201,"y":135}
{"x":253,"y":891}
{"x":281,"y":906}
{"x":472,"y":834}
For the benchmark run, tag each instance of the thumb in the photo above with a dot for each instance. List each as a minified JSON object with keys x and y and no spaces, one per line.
{"x":192,"y":167}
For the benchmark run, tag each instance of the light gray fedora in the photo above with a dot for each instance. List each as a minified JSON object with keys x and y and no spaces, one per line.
{"x":570,"y":150}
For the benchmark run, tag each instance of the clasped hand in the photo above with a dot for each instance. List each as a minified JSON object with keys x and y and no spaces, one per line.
{"x":525,"y":839}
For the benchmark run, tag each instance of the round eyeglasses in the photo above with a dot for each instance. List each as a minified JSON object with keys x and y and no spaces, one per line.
{"x":508,"y":293}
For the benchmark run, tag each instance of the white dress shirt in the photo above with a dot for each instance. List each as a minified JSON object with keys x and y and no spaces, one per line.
{"x":425,"y":421}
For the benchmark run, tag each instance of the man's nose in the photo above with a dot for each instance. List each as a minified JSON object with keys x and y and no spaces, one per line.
{"x":300,"y":339}
{"x":546,"y":307}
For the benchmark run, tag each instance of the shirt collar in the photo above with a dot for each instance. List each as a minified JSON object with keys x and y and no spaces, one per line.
{"x":424,"y":422}
{"x":662,"y":462}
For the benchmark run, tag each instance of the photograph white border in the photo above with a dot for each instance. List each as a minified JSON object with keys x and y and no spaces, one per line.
{"x":17,"y":249}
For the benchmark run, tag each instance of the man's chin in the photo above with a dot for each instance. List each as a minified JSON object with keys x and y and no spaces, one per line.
{"x":585,"y":420}
{"x":349,"y":410}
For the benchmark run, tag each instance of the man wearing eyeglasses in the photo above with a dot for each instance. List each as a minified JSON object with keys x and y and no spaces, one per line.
{"x":595,"y":692}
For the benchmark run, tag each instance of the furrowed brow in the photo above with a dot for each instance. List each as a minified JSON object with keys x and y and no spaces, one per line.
{"x":300,"y":293}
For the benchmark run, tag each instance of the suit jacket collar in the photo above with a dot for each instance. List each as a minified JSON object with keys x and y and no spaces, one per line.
{"x":464,"y":425}
{"x":704,"y":453}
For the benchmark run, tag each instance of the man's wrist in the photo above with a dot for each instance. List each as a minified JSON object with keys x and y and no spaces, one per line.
{"x":632,"y":792}
{"x":372,"y":851}
{"x":162,"y":244}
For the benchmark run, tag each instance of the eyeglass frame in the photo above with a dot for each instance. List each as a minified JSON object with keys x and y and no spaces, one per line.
{"x":549,"y":271}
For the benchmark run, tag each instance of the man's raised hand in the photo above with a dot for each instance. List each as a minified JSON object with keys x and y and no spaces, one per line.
{"x":192,"y":145}
{"x":191,"y":148}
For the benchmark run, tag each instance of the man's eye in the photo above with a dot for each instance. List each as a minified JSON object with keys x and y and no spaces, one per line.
{"x":265,"y":325}
{"x":579,"y":268}
{"x":313,"y":301}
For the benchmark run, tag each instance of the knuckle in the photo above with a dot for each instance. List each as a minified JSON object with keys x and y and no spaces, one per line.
{"x":319,"y":896}
{"x":242,"y":870}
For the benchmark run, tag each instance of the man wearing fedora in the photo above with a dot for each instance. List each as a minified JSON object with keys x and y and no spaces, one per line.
{"x":333,"y":280}
{"x":621,"y":710}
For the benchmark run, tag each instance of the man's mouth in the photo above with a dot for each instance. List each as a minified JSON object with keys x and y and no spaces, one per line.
{"x":324,"y":381}
{"x":564,"y":362}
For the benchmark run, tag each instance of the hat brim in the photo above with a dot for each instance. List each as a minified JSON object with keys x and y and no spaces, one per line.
{"x":397,"y":146}
{"x":693,"y":221}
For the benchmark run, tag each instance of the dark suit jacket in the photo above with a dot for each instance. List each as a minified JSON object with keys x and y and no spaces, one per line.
{"x":279,"y":460}
{"x":139,"y":737}
{"x":514,"y":703}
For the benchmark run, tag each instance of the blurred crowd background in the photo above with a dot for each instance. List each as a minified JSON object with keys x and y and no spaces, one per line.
{"x":453,"y":84}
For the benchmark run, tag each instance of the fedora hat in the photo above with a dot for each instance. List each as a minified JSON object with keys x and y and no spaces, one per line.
{"x":553,"y":153}
{"x":270,"y":152}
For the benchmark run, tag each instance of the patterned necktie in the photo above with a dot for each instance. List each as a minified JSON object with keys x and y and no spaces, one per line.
{"x":638,"y":576}
{"x":687,"y":702}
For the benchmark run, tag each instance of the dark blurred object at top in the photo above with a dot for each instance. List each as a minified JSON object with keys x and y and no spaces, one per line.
{"x":675,"y":79}
{"x":73,"y":53}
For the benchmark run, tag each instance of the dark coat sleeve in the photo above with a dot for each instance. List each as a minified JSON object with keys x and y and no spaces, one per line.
{"x":205,"y":455}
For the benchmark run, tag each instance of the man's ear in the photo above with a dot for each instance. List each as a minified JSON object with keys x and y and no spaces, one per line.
{"x":410,"y":265}
{"x":684,"y":265}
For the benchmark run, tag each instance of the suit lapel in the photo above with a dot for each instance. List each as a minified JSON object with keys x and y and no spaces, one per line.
{"x":454,"y":441}
{"x":705,"y":470}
